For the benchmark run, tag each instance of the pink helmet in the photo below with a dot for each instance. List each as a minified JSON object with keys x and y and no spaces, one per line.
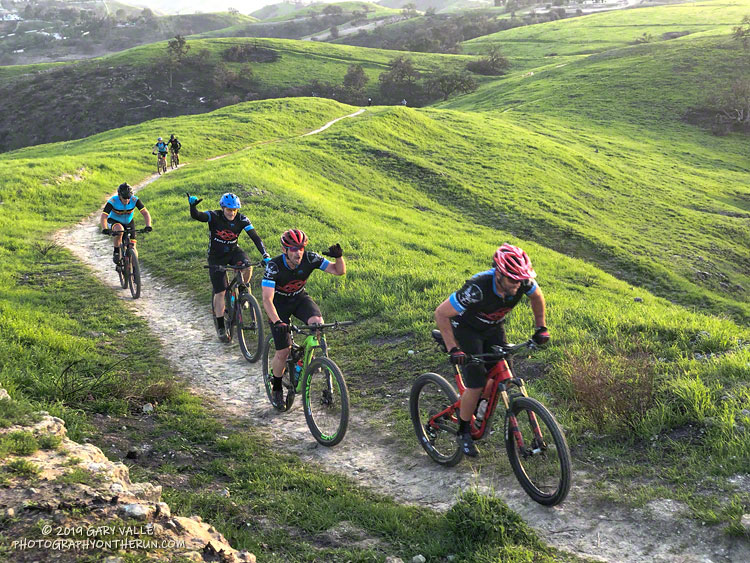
{"x":513,"y":263}
{"x":294,"y":238}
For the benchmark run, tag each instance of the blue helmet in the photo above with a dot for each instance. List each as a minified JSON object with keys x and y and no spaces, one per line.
{"x":230,"y":200}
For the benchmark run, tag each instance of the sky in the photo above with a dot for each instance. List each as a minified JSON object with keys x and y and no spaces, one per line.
{"x":206,"y":6}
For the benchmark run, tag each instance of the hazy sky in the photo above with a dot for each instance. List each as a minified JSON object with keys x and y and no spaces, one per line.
{"x":191,"y":6}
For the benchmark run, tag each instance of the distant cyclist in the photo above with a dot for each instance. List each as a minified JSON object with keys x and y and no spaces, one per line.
{"x":174,"y":145}
{"x":284,"y":294}
{"x":118,"y":216}
{"x":161,"y":147}
{"x":472,"y":320}
{"x":225,"y":226}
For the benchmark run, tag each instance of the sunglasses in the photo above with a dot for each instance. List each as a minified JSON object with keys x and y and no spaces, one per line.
{"x":294,"y":248}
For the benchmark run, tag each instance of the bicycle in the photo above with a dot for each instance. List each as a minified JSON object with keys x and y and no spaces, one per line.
{"x":317,"y":377}
{"x":174,"y":159}
{"x":161,"y":163}
{"x":241,"y":310}
{"x":128,"y":268}
{"x":535,"y":443}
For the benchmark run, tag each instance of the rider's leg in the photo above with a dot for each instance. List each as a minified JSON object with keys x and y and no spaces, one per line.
{"x":219,"y":305}
{"x":117,"y":228}
{"x":279,"y":364}
{"x":474,"y":376}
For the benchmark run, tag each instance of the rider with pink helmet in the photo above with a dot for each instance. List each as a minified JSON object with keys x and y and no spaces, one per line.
{"x":472,"y":320}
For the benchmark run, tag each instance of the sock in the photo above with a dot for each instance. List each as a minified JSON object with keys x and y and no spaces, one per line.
{"x":220,"y":321}
{"x":463,"y":426}
{"x":276,"y":383}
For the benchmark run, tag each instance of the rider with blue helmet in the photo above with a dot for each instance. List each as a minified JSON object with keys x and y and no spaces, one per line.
{"x":225,"y":226}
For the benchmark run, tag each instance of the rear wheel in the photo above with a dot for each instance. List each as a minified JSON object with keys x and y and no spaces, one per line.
{"x":250,"y":329}
{"x":134,"y":274}
{"x":326,"y":401}
{"x":431,"y":394}
{"x":122,"y":273}
{"x":542,"y":464}
{"x":266,"y":368}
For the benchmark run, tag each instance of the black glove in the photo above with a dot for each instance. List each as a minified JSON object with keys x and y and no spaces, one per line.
{"x":541,"y":336}
{"x":148,"y":229}
{"x":334,"y":251}
{"x":281,"y":326}
{"x":458,"y":356}
{"x":106,"y":231}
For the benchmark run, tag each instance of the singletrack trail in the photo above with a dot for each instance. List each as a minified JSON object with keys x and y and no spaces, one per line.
{"x":370,"y":453}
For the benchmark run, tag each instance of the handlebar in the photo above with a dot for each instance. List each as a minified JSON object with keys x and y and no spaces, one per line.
{"x":337,"y":325}
{"x":501,"y":352}
{"x":234,"y":267}
{"x":118,"y":233}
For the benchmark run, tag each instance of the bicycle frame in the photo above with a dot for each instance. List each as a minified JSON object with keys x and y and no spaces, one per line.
{"x":307,"y":348}
{"x":498,"y":380}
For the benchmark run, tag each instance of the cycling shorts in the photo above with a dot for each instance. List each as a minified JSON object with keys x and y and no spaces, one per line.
{"x":304,"y":308}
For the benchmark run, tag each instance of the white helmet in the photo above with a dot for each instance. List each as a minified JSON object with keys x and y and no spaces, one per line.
{"x":159,"y":139}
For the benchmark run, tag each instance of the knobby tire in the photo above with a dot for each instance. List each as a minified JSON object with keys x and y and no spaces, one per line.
{"x":431,"y":394}
{"x":326,"y":401}
{"x":250,"y":334}
{"x":134,"y":277}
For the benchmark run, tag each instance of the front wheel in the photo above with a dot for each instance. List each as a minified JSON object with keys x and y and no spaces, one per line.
{"x":134,"y":277}
{"x":326,"y":401}
{"x":538,"y":452}
{"x":250,"y":329}
{"x":123,"y":273}
{"x":267,"y":370}
{"x":432,"y":395}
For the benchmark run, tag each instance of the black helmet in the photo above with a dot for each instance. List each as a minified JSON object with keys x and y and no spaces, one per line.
{"x":125,"y":191}
{"x":171,"y":136}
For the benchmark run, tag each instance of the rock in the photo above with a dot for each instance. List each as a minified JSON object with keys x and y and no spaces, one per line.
{"x":745,"y":522}
{"x":418,"y":559}
{"x":224,"y":493}
{"x":3,"y":394}
{"x":745,"y":413}
{"x":393,"y":559}
{"x":138,"y":511}
{"x":147,"y":408}
{"x":410,"y":352}
{"x":10,"y":512}
{"x":638,"y":299}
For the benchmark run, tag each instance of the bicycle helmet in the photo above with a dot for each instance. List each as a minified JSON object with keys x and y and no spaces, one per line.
{"x":230,"y":200}
{"x":159,"y":139}
{"x":124,"y":191}
{"x":294,"y":237}
{"x":513,"y":263}
{"x":171,"y":137}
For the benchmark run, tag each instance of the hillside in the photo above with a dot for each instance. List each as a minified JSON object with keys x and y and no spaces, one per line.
{"x":52,"y":31}
{"x":635,"y":216}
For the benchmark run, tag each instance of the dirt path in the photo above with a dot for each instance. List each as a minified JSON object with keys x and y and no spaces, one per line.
{"x":660,"y":532}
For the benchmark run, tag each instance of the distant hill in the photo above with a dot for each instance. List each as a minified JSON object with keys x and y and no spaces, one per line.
{"x":50,"y":31}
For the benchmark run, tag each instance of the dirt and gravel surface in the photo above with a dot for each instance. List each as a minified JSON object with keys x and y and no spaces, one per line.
{"x":662,"y":531}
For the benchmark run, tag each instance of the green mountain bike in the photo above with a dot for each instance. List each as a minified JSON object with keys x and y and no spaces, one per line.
{"x":313,"y":374}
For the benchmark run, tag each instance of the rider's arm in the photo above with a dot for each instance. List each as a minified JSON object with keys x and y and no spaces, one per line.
{"x":270,"y":308}
{"x":255,"y":237}
{"x":337,"y":268}
{"x":443,"y":315}
{"x":146,"y":216}
{"x":201,"y":216}
{"x":103,"y":220}
{"x":537,"y":305}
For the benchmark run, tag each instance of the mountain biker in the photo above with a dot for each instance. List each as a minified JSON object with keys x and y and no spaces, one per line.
{"x":225,"y":226}
{"x":161,"y":147}
{"x":472,"y":320}
{"x":118,"y":216}
{"x":284,"y":294}
{"x":174,"y":144}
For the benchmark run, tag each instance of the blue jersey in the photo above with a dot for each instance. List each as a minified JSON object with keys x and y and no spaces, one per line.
{"x":161,"y":146}
{"x":121,"y":212}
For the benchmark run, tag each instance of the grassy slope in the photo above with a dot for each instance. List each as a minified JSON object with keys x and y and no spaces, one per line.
{"x":40,"y":286}
{"x":566,"y":40}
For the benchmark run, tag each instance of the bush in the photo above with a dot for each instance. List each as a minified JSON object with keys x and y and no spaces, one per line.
{"x":249,"y":53}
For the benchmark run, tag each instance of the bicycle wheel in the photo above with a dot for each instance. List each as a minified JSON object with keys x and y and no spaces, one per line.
{"x":326,"y":401}
{"x":250,"y":329}
{"x":134,"y":275}
{"x":542,"y":465}
{"x":266,"y":369}
{"x":430,"y":395}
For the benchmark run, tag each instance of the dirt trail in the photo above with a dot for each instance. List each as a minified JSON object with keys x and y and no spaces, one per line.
{"x":660,"y":532}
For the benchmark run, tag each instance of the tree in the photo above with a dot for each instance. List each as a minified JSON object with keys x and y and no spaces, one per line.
{"x":494,"y":64}
{"x":233,"y":11}
{"x":742,"y":32}
{"x":401,"y":70}
{"x":332,"y":10}
{"x":334,"y":32}
{"x":355,"y":78}
{"x":177,"y":48}
{"x":449,"y":82}
{"x":733,"y":104}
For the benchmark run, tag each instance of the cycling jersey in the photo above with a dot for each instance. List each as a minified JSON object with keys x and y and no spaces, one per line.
{"x":175,"y":145}
{"x":479,"y":305}
{"x":121,"y":212}
{"x":161,"y":147}
{"x":223,"y":233}
{"x":289,"y":283}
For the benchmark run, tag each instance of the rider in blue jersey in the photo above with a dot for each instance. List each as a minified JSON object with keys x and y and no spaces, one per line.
{"x":161,"y":147}
{"x":118,"y":216}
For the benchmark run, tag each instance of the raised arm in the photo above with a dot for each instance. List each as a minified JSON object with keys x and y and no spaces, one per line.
{"x":201,"y":216}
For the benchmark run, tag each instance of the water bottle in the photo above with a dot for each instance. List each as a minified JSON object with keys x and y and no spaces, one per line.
{"x":481,"y":409}
{"x":297,"y":371}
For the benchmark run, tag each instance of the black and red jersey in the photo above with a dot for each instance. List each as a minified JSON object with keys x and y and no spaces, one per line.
{"x":288,"y":282}
{"x":223,"y":233}
{"x":478,"y":304}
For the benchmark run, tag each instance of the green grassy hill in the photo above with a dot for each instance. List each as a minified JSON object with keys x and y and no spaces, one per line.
{"x":134,"y":85}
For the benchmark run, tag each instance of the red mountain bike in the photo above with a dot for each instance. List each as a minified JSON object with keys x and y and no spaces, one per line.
{"x":534,"y":441}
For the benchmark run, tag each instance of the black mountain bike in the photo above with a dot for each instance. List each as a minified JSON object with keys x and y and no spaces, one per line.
{"x":311,"y":372}
{"x":241,"y":310}
{"x":128,"y":268}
